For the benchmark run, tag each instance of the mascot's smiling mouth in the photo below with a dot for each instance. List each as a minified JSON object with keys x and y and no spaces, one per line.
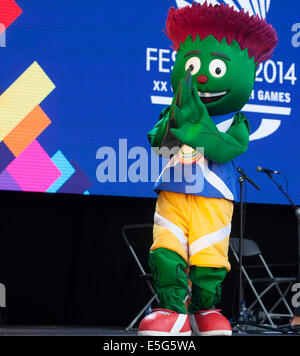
{"x":208,"y":97}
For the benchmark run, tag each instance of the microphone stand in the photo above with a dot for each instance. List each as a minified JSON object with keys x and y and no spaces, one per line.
{"x":297,"y":214}
{"x":242,"y":318}
{"x":242,"y":179}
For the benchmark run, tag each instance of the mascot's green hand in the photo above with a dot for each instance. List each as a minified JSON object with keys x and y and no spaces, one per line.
{"x":173,"y":116}
{"x":185,"y":107}
{"x":191,"y":117}
{"x":240,"y":129}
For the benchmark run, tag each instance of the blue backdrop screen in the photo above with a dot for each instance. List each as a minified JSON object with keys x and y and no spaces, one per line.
{"x":82,"y":82}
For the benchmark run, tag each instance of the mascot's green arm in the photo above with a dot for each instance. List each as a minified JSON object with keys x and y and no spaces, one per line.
{"x":157,"y":134}
{"x":217,"y":146}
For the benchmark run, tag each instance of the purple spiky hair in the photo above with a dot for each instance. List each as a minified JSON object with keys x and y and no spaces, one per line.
{"x":222,"y":21}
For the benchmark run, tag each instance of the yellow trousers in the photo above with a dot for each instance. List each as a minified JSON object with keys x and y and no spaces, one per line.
{"x":195,"y":227}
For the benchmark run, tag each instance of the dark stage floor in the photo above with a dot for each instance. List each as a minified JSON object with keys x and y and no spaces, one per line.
{"x":94,"y":331}
{"x":63,"y":331}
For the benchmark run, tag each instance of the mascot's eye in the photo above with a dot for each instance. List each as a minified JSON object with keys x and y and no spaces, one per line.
{"x":194,"y":63}
{"x":217,"y":68}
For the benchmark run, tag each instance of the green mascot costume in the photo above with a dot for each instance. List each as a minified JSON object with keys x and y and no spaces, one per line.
{"x":218,"y":51}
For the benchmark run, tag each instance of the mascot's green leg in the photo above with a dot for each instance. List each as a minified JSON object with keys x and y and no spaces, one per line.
{"x":206,"y":287}
{"x":169,"y":279}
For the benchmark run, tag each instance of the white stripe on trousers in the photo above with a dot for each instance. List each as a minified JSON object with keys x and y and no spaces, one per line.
{"x":174,"y":229}
{"x":208,"y":240}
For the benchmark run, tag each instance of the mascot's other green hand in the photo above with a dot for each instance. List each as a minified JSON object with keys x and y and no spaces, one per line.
{"x":240,"y":129}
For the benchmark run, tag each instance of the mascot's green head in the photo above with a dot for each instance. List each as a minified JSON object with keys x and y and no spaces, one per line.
{"x":222,"y":48}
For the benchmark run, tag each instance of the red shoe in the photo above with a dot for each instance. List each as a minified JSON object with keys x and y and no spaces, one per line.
{"x":210,"y":323}
{"x":164,"y":322}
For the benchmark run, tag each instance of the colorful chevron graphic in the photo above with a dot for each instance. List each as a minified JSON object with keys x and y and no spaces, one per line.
{"x":24,"y":164}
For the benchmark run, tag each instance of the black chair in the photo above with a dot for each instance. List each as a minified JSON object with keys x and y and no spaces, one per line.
{"x":265,"y":281}
{"x":139,"y":238}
